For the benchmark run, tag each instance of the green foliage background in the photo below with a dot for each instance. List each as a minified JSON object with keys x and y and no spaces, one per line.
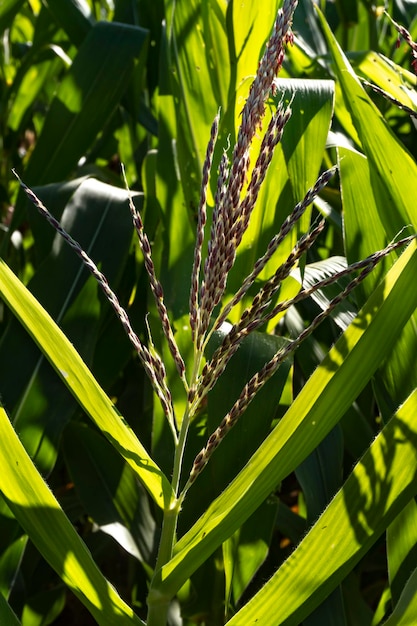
{"x":87,"y":85}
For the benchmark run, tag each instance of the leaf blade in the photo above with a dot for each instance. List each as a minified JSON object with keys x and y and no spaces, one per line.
{"x":374,"y":493}
{"x":329,"y":392}
{"x":82,"y":384}
{"x":39,"y":513}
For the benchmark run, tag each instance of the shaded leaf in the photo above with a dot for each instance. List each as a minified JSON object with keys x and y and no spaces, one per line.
{"x":107,"y":487}
{"x":86,"y":99}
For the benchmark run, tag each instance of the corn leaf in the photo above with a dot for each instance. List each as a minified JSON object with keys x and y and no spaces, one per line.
{"x":389,"y":162}
{"x":406,"y":609}
{"x":74,"y":17}
{"x":402,"y":549}
{"x":326,"y":396}
{"x":79,"y":380}
{"x":377,"y":489}
{"x":7,"y":617}
{"x":40,"y":515}
{"x":86,"y":99}
{"x":97,"y":216}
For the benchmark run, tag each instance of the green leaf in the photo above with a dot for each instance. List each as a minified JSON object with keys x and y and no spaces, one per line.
{"x":96,"y":215}
{"x":405,"y":611}
{"x":306,"y":132}
{"x":389,"y":162}
{"x":398,"y":375}
{"x":314,"y":272}
{"x":9,"y":564}
{"x":360,"y":208}
{"x":365,"y":232}
{"x":402,"y":549}
{"x":39,"y":68}
{"x":86,"y":99}
{"x":252,"y":428}
{"x":40,"y":515}
{"x":79,"y":380}
{"x":74,"y":17}
{"x":197,"y":39}
{"x":7,"y":616}
{"x":357,"y":609}
{"x":109,"y":491}
{"x":377,"y":489}
{"x":44,"y":607}
{"x":392,"y":78}
{"x":247,"y":549}
{"x":320,"y":477}
{"x":176,"y":239}
{"x":290,"y":524}
{"x":392,"y":177}
{"x":324,"y":399}
{"x":8,"y":9}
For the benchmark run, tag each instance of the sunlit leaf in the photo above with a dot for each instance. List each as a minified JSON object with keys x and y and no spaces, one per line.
{"x":74,"y":373}
{"x":52,"y":533}
{"x":379,"y":486}
{"x":322,"y":402}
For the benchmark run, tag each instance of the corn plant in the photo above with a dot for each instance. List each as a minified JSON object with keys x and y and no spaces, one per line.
{"x":205,"y":486}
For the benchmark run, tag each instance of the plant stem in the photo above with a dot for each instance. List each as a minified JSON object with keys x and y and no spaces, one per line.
{"x":158,"y":604}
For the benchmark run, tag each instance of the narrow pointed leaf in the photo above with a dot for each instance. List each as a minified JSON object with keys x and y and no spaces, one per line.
{"x":378,"y":488}
{"x":305,"y":135}
{"x":86,"y":99}
{"x":40,"y":515}
{"x":7,"y":616}
{"x":94,"y":215}
{"x":197,"y":37}
{"x":389,"y":161}
{"x":406,"y":610}
{"x":402,"y":549}
{"x":326,"y":396}
{"x":79,"y":380}
{"x":8,"y":10}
